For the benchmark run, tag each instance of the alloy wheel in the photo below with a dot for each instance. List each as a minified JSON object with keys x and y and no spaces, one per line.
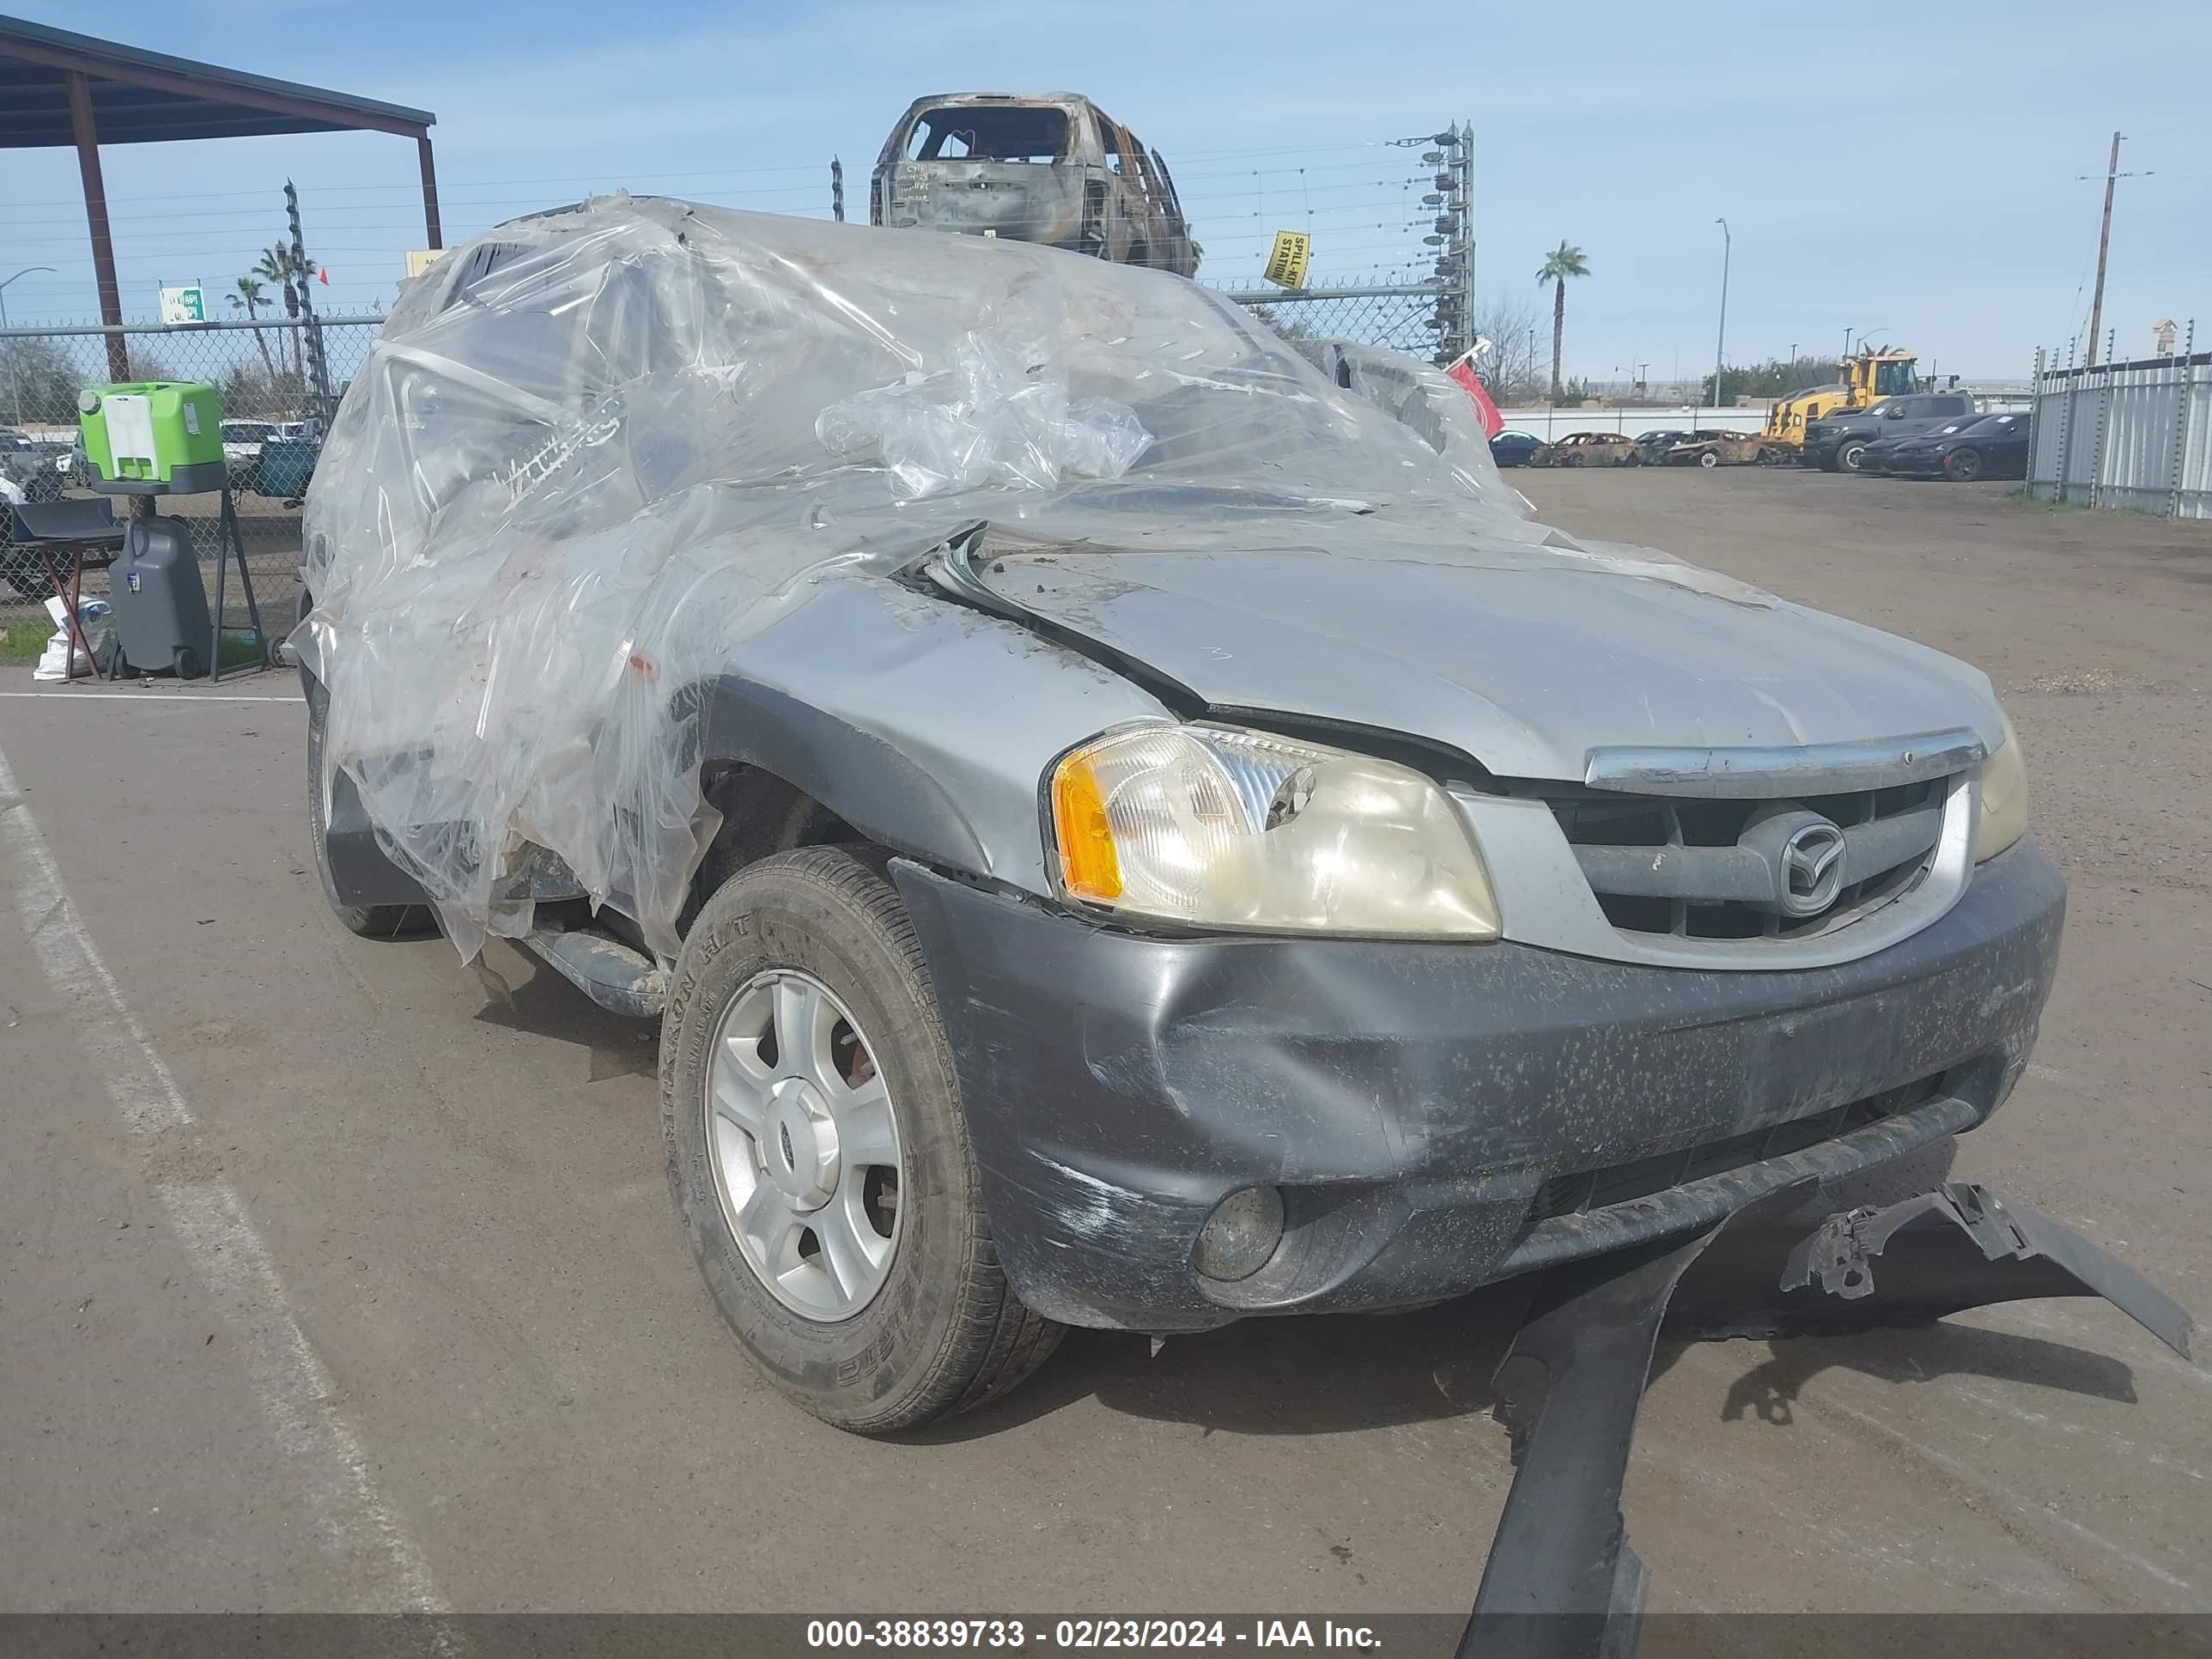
{"x":805,"y":1145}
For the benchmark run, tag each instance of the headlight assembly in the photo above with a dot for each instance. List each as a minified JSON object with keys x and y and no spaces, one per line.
{"x":2004,"y":798}
{"x":1212,"y":826}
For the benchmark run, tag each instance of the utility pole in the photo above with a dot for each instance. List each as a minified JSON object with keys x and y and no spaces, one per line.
{"x":1720,"y":346}
{"x":2104,"y":244}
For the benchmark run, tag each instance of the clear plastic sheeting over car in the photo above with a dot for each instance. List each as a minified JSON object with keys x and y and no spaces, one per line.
{"x":1000,"y":416}
{"x":596,"y":451}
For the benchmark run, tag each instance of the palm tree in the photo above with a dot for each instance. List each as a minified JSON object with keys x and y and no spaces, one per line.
{"x":1562,"y":262}
{"x":277,"y":265}
{"x":249,"y":299}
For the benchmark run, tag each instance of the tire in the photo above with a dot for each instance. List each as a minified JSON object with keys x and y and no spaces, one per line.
{"x":1708,"y":459}
{"x":937,"y":1329}
{"x":185,"y":663}
{"x":1847,"y":457}
{"x":1963,"y":465}
{"x":367,"y":921}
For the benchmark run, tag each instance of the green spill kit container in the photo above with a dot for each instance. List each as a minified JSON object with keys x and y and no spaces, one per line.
{"x":153,"y":437}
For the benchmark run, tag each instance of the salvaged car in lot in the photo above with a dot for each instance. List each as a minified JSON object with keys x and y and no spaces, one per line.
{"x":1587,"y":449}
{"x":1838,"y":442}
{"x":1714,"y":448}
{"x":1119,"y":829}
{"x":1875,"y":458}
{"x":1993,"y":447}
{"x":1514,"y":448}
{"x":1049,"y":167}
{"x":1652,"y":446}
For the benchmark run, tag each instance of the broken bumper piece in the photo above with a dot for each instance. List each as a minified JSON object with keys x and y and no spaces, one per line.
{"x":1562,"y":1582}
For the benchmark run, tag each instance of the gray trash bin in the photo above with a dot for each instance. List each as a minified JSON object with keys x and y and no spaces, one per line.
{"x":159,"y":601}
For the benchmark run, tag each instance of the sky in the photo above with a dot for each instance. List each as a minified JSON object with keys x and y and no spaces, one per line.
{"x":1912,"y":173}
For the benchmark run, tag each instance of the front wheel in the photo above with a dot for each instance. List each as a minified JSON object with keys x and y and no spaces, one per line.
{"x":1963,"y":465}
{"x":1708,"y":459}
{"x":818,"y":1155}
{"x":1849,"y":456}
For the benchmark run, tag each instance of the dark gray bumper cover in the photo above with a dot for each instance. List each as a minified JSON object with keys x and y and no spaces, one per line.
{"x":1561,"y":1581}
{"x":1413,"y":1100}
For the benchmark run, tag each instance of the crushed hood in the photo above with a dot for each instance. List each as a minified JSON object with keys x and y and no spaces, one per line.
{"x":1525,"y":666}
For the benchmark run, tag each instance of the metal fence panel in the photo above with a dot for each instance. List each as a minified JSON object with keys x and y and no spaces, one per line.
{"x":2134,"y":435}
{"x":262,"y":370}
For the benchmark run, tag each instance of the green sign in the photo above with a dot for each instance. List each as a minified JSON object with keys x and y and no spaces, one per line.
{"x":183,"y":305}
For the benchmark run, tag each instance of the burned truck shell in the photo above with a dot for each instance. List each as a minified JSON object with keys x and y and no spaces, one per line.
{"x":1050,"y":167}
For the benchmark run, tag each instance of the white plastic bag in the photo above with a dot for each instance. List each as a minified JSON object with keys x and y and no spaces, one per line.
{"x":61,"y":660}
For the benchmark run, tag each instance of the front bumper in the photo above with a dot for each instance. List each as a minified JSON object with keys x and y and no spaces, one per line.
{"x":1921,"y":463}
{"x":1438,"y":1116}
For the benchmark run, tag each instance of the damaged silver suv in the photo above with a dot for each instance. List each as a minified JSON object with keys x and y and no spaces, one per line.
{"x":1122,"y":824}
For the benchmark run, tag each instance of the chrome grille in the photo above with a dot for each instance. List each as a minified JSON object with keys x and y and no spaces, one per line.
{"x":1692,"y":867}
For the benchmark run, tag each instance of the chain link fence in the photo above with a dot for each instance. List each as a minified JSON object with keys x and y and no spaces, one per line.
{"x":262,"y":370}
{"x":1395,"y":314}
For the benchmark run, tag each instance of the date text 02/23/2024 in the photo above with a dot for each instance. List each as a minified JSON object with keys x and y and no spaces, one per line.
{"x":1088,"y":1633}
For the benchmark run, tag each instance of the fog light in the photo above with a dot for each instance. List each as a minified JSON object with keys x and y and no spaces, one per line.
{"x":1241,"y":1234}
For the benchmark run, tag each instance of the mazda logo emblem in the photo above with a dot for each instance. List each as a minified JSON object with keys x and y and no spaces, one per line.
{"x":1811,"y":868}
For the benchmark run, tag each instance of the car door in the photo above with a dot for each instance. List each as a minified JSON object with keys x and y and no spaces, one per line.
{"x":1942,"y":409}
{"x":1189,"y":252}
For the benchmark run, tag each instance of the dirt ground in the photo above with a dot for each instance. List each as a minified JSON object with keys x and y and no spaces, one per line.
{"x":339,"y":1274}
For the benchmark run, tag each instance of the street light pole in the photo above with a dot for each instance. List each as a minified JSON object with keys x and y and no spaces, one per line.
{"x":1720,"y":346}
{"x":14,"y":370}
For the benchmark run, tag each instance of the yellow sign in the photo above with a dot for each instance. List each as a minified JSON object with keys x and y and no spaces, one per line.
{"x":1286,"y":265}
{"x":420,"y":259}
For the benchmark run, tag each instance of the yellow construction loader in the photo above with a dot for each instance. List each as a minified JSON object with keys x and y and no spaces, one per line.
{"x":1883,"y":372}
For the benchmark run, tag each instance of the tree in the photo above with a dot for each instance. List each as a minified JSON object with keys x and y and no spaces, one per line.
{"x":1508,"y":363}
{"x":249,"y":298}
{"x":150,"y":362}
{"x":1562,"y":262}
{"x":1772,"y":379}
{"x":277,"y":265}
{"x":1290,"y":327}
{"x":40,"y":379}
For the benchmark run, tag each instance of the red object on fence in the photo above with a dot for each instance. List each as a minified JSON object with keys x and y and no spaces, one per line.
{"x":1463,"y":372}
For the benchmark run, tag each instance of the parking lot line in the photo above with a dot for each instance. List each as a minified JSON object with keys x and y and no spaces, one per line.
{"x":294,"y":1387}
{"x":149,"y":697}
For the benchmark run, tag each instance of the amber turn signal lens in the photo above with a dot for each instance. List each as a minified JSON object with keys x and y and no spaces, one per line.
{"x":1088,"y":864}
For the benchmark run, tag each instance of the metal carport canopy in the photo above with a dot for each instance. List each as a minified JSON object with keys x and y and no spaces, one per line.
{"x":58,"y":89}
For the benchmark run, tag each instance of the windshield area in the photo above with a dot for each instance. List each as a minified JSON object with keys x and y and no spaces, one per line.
{"x":991,"y":133}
